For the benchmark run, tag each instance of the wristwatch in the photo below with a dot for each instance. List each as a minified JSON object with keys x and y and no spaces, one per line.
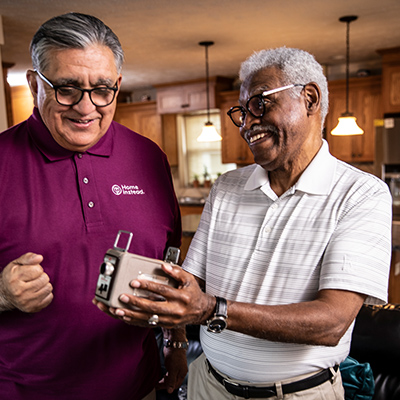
{"x":176,"y":345}
{"x":218,"y":322}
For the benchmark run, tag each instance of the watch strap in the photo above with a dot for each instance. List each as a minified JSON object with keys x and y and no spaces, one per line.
{"x":221,"y":308}
{"x":176,"y":345}
{"x":217,"y":323}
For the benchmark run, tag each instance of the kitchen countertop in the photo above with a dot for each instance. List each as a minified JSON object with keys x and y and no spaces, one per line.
{"x":192,"y":201}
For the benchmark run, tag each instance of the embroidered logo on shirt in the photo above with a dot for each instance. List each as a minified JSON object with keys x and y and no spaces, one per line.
{"x":126,"y":190}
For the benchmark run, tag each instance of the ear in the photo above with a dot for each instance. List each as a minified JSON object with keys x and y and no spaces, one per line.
{"x":31,"y":77}
{"x":119,"y":82}
{"x":119,"y":79}
{"x":312,"y":96}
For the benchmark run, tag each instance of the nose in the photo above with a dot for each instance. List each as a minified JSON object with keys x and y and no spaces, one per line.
{"x":250,"y":120}
{"x":85,"y":106}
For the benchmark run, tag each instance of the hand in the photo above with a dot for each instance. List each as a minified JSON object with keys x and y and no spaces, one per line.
{"x":24,"y":285}
{"x":176,"y":364}
{"x":104,"y":308}
{"x":187,"y":304}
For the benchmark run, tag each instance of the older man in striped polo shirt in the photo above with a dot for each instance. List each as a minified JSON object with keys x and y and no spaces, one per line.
{"x":287,"y":250}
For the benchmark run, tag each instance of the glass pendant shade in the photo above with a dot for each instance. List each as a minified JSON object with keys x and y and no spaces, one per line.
{"x":347,"y":126}
{"x":209,"y":133}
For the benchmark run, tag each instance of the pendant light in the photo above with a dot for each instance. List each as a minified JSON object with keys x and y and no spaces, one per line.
{"x":209,"y":133}
{"x":347,"y":125}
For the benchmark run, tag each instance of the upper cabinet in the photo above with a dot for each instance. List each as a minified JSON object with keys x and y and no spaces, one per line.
{"x":141,"y":118}
{"x":190,"y":96}
{"x":144,"y":119}
{"x":365,"y":102}
{"x":234,"y":148}
{"x":391,"y":80}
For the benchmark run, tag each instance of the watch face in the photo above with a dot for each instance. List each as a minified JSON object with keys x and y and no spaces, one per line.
{"x":216,"y":325}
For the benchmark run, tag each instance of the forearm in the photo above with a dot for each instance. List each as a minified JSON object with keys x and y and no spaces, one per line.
{"x":295,"y":323}
{"x":5,"y":304}
{"x":322,"y":321}
{"x":319,"y":322}
{"x":175,"y":335}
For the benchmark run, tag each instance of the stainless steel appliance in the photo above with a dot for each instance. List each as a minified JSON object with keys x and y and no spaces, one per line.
{"x":387,"y":155}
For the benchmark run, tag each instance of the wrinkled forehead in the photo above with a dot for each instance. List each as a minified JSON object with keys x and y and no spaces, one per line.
{"x":261,"y":80}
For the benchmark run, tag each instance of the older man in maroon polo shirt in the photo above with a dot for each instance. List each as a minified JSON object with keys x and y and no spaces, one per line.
{"x":61,"y":208}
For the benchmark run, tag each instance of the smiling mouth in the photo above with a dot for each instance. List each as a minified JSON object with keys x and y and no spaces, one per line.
{"x":258,"y":133}
{"x":81,"y":121}
{"x":259,"y":136}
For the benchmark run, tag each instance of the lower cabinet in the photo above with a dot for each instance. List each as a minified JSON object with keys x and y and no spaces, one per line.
{"x":190,"y":221}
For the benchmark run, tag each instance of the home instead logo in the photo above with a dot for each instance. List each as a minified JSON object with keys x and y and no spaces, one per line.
{"x":126,"y":190}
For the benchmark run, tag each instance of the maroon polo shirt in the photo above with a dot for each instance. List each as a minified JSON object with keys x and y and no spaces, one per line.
{"x":69,"y":207}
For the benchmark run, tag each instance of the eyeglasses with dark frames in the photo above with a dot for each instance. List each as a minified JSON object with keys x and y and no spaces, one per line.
{"x":67,"y":95}
{"x":255,"y":106}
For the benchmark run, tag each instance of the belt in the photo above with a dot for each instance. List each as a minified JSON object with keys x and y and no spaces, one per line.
{"x":269,"y":391}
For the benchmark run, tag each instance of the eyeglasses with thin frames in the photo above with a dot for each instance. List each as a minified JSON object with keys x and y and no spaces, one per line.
{"x":255,"y":105}
{"x":67,"y":95}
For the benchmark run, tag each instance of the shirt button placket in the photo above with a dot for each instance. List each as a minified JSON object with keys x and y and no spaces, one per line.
{"x":85,"y":180}
{"x":87,"y":187}
{"x":271,"y":210}
{"x":267,"y":229}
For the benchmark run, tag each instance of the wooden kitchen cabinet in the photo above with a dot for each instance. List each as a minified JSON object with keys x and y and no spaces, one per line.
{"x":178,"y":99}
{"x":144,"y":119}
{"x":390,"y":80}
{"x":170,"y":139}
{"x":234,"y":148}
{"x":8,"y":96}
{"x":365,"y":102}
{"x":190,"y":96}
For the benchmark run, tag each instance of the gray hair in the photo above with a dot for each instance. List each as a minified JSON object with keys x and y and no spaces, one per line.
{"x":73,"y":31}
{"x":297,"y":66}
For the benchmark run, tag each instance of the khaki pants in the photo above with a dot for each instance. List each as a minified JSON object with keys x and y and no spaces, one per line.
{"x":203,"y":386}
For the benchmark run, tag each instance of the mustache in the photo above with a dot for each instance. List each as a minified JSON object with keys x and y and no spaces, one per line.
{"x":255,"y":129}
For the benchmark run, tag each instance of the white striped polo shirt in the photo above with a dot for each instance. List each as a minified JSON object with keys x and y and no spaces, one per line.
{"x":331,"y":230}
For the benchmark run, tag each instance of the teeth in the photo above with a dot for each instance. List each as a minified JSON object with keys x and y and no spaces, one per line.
{"x":256,"y":137}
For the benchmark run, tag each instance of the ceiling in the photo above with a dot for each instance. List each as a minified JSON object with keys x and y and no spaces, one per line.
{"x":160,"y":37}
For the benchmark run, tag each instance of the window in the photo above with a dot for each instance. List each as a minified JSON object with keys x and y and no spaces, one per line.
{"x":200,"y":161}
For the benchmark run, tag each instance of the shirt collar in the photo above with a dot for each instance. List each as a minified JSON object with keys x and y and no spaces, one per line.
{"x":317,"y":178}
{"x":53,"y":151}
